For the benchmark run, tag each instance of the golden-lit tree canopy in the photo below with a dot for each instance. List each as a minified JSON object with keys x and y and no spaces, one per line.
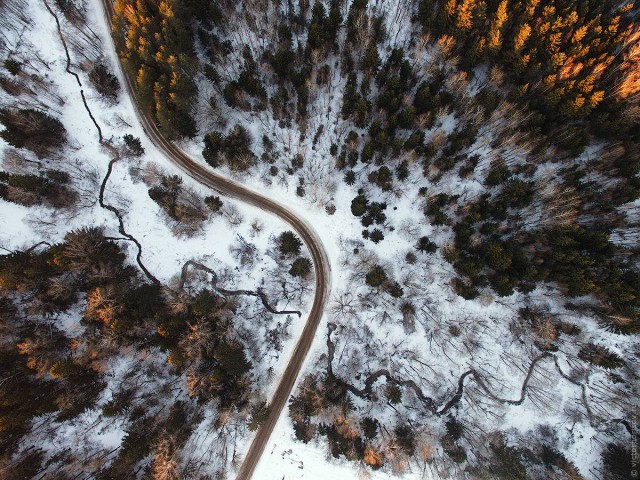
{"x":155,"y":42}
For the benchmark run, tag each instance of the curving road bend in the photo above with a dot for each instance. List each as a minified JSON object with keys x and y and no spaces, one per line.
{"x":232,"y":189}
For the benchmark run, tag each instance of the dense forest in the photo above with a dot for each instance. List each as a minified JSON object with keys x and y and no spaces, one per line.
{"x":551,"y":79}
{"x":533,"y":105}
{"x":109,"y":369}
{"x":53,"y":375}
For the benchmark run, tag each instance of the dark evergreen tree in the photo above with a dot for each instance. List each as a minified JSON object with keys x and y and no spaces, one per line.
{"x":289,"y":244}
{"x":33,"y":130}
{"x":376,"y":276}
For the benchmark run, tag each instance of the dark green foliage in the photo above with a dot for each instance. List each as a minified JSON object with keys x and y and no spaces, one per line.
{"x":455,"y":452}
{"x":233,"y":149}
{"x":21,"y":398}
{"x":179,"y":422}
{"x":350,"y":179}
{"x":105,"y":82}
{"x":45,"y":378}
{"x":553,"y":458}
{"x":119,"y":404}
{"x":617,"y":461}
{"x":435,"y":213}
{"x":211,"y":74}
{"x":376,"y":276}
{"x":455,"y":429}
{"x":206,"y":12}
{"x":33,"y":130}
{"x":496,"y":255}
{"x":24,"y":272}
{"x":356,"y":9}
{"x":469,"y":166}
{"x":268,"y":144}
{"x":50,"y":189}
{"x":204,"y":303}
{"x":394,"y":81}
{"x":232,"y":359}
{"x":13,"y":66}
{"x":214,"y":203}
{"x":355,"y":106}
{"x":213,"y":148}
{"x":139,"y":304}
{"x":370,"y":427}
{"x":258,"y":415}
{"x":359,"y":205}
{"x":156,"y":44}
{"x":282,"y":61}
{"x":85,"y":384}
{"x":301,"y":267}
{"x":323,"y":28}
{"x":376,"y":235}
{"x":462,"y":288}
{"x":318,"y":18}
{"x":237,"y":147}
{"x":374,"y":214}
{"x":289,"y":244}
{"x":538,"y":61}
{"x":429,"y":95}
{"x":426,"y":246}
{"x":414,"y":142}
{"x":600,"y":356}
{"x":340,"y":444}
{"x":27,"y":465}
{"x":38,"y":379}
{"x":308,"y":403}
{"x":405,"y":436}
{"x":136,"y":443}
{"x":515,"y":193}
{"x":371,"y":59}
{"x":498,"y":173}
{"x":249,"y":83}
{"x":134,"y":145}
{"x":178,"y":203}
{"x":506,"y":463}
{"x":87,"y":252}
{"x":393,"y":393}
{"x":303,"y":431}
{"x":402,"y":172}
{"x":580,"y":258}
{"x":489,"y":100}
{"x":395,"y":290}
{"x":382,"y":178}
{"x":450,"y":441}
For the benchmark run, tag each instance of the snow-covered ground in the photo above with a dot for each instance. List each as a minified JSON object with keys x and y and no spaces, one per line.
{"x":371,"y":334}
{"x":451,"y":334}
{"x":164,"y":253}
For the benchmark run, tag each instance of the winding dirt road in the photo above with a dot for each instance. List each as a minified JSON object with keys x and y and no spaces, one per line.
{"x":232,"y":189}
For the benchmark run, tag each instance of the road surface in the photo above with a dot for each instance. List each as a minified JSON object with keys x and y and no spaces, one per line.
{"x":208,"y":178}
